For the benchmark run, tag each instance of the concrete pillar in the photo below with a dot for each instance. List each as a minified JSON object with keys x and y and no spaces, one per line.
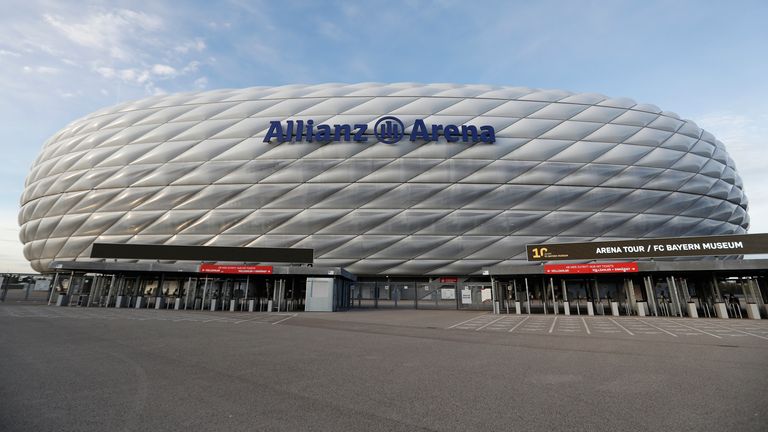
{"x":518,"y":309}
{"x":232,"y":305}
{"x":554,"y":300}
{"x":692,"y":312}
{"x":614,"y":308}
{"x":631,"y":299}
{"x":721,"y":310}
{"x":566,"y":303}
{"x":177,"y":304}
{"x":653,"y":309}
{"x":527,"y":298}
{"x":251,"y":305}
{"x":641,"y":308}
{"x":753,"y":311}
{"x":590,"y":309}
{"x":139,"y":302}
{"x":159,"y":302}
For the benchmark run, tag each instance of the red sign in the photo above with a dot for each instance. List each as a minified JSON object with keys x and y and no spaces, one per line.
{"x":235,"y":269}
{"x":629,"y":267}
{"x":449,"y":279}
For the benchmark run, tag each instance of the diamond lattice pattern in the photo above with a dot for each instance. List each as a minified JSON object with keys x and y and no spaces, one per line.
{"x":191,"y":169}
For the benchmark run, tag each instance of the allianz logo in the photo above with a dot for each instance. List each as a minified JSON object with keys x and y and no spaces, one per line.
{"x":388,"y":130}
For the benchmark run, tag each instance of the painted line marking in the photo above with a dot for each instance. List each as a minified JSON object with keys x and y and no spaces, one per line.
{"x":657,"y":328}
{"x":489,"y":323}
{"x":621,"y":326}
{"x":284,"y":319}
{"x":518,"y":324}
{"x":585,"y":325}
{"x":552,"y":327}
{"x":464,"y":322}
{"x":694,"y":328}
{"x":747,"y":333}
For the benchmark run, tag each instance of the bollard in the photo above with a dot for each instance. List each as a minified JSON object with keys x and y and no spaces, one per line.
{"x":590,"y":309}
{"x":232,"y":305}
{"x":518,"y":309}
{"x":213,"y":305}
{"x":251,"y":305}
{"x":753,"y":312}
{"x":692,"y":312}
{"x":159,"y":302}
{"x":139,"y":302}
{"x":721,"y":310}
{"x":615,"y":308}
{"x":641,"y":309}
{"x":177,"y":304}
{"x":567,"y":308}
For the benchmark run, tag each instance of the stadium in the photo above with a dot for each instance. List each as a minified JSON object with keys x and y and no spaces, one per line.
{"x":384,"y":183}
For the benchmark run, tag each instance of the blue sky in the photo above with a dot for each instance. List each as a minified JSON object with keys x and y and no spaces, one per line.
{"x":706,"y":61}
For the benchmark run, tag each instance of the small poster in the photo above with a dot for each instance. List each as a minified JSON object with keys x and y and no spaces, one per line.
{"x":485,"y":295}
{"x":466,"y":296}
{"x":448,"y":294}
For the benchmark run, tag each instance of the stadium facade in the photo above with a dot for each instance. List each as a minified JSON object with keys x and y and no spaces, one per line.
{"x":380,"y":180}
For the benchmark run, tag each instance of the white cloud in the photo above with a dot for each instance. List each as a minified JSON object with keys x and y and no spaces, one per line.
{"x":201,"y":83}
{"x":42,"y":70}
{"x":9,"y":53}
{"x":110,"y":32}
{"x":164,"y":70}
{"x":194,"y":45}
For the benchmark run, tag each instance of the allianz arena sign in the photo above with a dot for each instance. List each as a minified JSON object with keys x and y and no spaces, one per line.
{"x":388,"y":130}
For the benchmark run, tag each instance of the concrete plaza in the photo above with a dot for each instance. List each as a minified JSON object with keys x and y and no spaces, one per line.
{"x":106,"y":369}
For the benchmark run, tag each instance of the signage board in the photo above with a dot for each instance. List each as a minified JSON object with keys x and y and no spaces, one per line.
{"x":629,"y":267}
{"x":235,"y":269}
{"x":201,"y":253}
{"x":447,"y":294}
{"x":738,"y":244}
{"x":449,"y":279}
{"x":466,"y":296}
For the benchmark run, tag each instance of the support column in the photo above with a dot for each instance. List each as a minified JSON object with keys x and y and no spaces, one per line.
{"x":596,"y":296}
{"x":566,"y":304}
{"x":648,"y":282}
{"x":673,"y":295}
{"x":629,"y":288}
{"x":111,"y":293}
{"x":96,"y":287}
{"x":53,"y":287}
{"x":527,"y":297}
{"x":554,"y":300}
{"x":159,"y":297}
{"x":494,"y":297}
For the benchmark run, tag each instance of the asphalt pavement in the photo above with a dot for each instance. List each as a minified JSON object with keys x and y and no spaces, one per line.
{"x":78,"y":369}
